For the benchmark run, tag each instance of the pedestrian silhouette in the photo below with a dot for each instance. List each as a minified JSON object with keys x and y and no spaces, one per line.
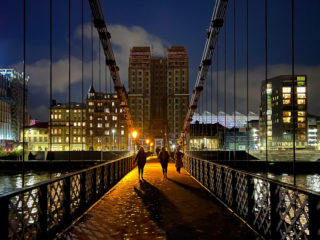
{"x":178,"y":158}
{"x":141,"y":160}
{"x":164,"y":160}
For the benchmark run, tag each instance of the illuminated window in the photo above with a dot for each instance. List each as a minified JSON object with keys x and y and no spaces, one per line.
{"x":301,"y":114}
{"x":91,"y":132}
{"x":301,"y":119}
{"x":301,"y":78}
{"x":90,"y":103}
{"x":107,"y":133}
{"x":99,"y":125}
{"x":122,"y":132}
{"x":79,"y":139}
{"x":91,"y":125}
{"x":91,"y":117}
{"x":286,"y":101}
{"x":99,"y":140}
{"x":287,"y":114}
{"x":107,"y":110}
{"x":286,"y":90}
{"x":55,"y":116}
{"x":112,"y":104}
{"x":114,"y":118}
{"x":67,"y":139}
{"x":286,"y":119}
{"x":286,"y":95}
{"x":59,"y":116}
{"x":301,"y":125}
{"x":59,"y":130}
{"x":301,"y":95}
{"x":301,"y":89}
{"x":301,"y":101}
{"x":106,"y":125}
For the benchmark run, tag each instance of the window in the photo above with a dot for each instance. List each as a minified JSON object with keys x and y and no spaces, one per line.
{"x":301,"y":89}
{"x":99,"y":125}
{"x":106,"y":118}
{"x":99,"y":104}
{"x":286,"y":96}
{"x":286,"y":89}
{"x":107,"y":110}
{"x":286,"y":101}
{"x":301,"y":101}
{"x":114,"y":118}
{"x":301,"y":125}
{"x":91,"y":125}
{"x":122,"y":132}
{"x":301,"y":119}
{"x":301,"y":113}
{"x":106,"y":125}
{"x":99,"y":140}
{"x":286,"y":119}
{"x":90,"y":103}
{"x":107,"y":133}
{"x":301,"y":95}
{"x":287,"y":114}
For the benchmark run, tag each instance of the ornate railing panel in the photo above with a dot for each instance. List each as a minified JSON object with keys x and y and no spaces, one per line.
{"x":274,"y":209}
{"x":42,"y":210}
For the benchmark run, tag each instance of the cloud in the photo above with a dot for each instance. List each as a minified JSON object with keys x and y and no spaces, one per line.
{"x":122,"y":39}
{"x":41,"y":110}
{"x":256,"y":77}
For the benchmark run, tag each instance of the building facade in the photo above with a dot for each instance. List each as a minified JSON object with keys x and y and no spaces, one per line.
{"x":106,"y":125}
{"x":6,"y":103}
{"x":15,"y":91}
{"x":67,"y":127}
{"x":36,"y":137}
{"x":158,"y":91}
{"x":277,"y":110}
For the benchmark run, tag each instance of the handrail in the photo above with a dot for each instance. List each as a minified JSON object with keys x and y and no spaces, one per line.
{"x":43,"y":209}
{"x":274,"y":209}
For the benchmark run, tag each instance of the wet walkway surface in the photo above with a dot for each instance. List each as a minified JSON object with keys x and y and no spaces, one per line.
{"x":174,"y":208}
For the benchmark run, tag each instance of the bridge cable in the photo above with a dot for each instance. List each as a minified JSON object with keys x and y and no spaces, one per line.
{"x":247,"y":77}
{"x":69,"y":62}
{"x":293,"y":89}
{"x":225,"y":89}
{"x":211,"y":100}
{"x":50,"y":86}
{"x":266,"y":78}
{"x":234,"y":79}
{"x":24,"y":86}
{"x":206,"y":111}
{"x":217,"y":101}
{"x":91,"y":74}
{"x":82,"y":72}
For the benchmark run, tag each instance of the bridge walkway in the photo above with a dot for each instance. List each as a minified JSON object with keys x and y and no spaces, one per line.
{"x":157,"y":208}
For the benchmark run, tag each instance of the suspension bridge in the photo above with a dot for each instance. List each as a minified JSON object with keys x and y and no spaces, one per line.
{"x":212,"y":198}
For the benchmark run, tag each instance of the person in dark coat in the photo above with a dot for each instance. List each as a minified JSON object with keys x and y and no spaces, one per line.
{"x":141,"y":159}
{"x":164,"y":160}
{"x":158,"y":151}
{"x":178,"y":158}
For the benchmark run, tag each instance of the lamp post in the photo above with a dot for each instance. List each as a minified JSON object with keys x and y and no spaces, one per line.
{"x":113,"y":131}
{"x":134,"y":135}
{"x":147,"y":142}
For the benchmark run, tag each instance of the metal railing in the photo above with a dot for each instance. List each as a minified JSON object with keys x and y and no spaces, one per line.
{"x":42,"y":210}
{"x":274,"y":209}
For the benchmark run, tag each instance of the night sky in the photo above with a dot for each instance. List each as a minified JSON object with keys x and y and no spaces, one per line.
{"x":161,"y":24}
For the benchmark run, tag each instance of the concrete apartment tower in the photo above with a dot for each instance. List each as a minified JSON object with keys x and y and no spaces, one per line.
{"x":158,"y":91}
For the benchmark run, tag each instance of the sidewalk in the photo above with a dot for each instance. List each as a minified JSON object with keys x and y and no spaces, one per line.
{"x":174,"y":208}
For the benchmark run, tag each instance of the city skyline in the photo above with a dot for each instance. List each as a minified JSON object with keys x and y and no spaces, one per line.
{"x":128,"y":31}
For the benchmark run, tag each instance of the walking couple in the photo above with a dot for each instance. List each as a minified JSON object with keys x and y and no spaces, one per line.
{"x":164,"y":160}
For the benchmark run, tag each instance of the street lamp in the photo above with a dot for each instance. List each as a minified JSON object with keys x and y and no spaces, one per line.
{"x":134,"y":135}
{"x":113,"y":131}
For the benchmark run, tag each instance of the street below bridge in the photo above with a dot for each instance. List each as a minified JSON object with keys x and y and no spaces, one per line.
{"x":174,"y":208}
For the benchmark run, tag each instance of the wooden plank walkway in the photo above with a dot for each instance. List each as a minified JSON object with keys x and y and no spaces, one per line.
{"x":174,"y":208}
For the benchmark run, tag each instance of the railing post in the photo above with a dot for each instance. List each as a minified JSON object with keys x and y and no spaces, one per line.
{"x":108,"y":176}
{"x":67,"y":200}
{"x":234,"y":189}
{"x":101,"y":187}
{"x":83,"y":191}
{"x":314,"y":216}
{"x":4,"y":218}
{"x":275,"y":216}
{"x":250,"y":189}
{"x":43,"y":211}
{"x":94,"y":184}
